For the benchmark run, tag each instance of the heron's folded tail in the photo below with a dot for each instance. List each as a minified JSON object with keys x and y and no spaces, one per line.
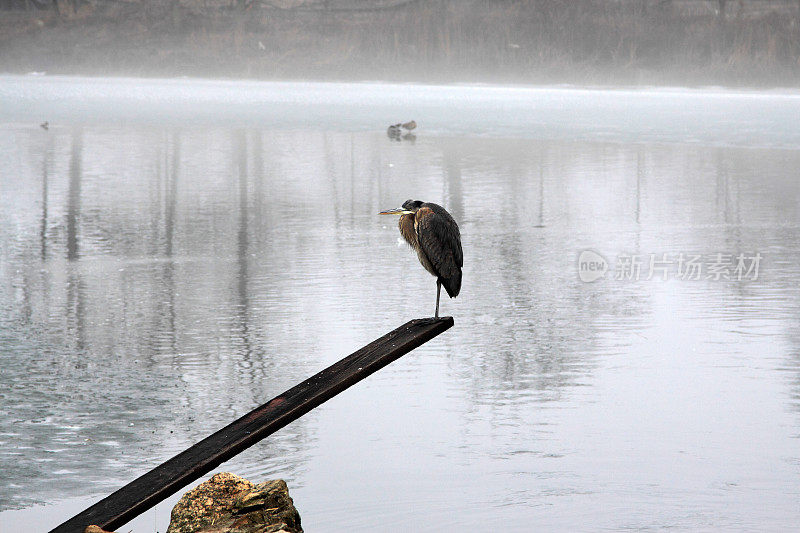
{"x":452,"y":284}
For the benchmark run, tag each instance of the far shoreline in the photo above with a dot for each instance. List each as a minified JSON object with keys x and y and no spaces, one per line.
{"x":441,"y":42}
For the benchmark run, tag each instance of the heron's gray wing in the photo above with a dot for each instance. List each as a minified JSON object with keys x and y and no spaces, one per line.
{"x":450,"y":231}
{"x":440,"y":241}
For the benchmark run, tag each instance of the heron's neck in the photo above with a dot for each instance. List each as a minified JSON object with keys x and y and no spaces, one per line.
{"x":406,"y":225}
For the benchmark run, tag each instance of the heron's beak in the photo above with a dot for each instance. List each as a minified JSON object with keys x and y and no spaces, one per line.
{"x":399,"y":211}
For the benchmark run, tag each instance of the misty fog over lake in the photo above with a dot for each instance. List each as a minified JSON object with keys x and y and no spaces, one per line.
{"x":189,"y":226}
{"x":174,"y":253}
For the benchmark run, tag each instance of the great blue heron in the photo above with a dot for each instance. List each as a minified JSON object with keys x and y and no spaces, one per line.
{"x":433,"y":233}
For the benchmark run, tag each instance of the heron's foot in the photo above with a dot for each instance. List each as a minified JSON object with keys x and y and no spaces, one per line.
{"x":432,"y":319}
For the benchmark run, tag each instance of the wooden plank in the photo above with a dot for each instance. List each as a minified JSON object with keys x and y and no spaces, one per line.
{"x":168,"y":478}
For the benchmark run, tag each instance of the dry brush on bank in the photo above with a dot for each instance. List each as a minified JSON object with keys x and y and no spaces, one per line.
{"x":749,"y":41}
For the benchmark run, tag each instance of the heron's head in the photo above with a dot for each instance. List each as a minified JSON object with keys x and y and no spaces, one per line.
{"x":409,"y":208}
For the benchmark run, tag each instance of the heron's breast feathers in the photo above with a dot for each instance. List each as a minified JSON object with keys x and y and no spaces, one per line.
{"x":408,"y":230}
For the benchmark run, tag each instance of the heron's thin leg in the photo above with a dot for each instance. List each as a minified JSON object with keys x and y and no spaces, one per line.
{"x":438,"y":290}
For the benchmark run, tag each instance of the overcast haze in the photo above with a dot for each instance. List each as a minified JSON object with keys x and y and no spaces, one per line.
{"x":189,"y":199}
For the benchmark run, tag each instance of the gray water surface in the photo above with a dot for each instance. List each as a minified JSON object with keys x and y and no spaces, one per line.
{"x":176,"y":253}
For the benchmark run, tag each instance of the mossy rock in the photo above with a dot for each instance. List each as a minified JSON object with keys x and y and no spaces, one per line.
{"x":227,"y":503}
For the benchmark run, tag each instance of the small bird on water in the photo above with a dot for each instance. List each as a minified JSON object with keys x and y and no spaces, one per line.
{"x":433,"y":233}
{"x":395,"y":131}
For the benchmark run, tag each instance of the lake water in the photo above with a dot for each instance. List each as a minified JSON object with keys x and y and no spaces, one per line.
{"x":176,"y":253}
